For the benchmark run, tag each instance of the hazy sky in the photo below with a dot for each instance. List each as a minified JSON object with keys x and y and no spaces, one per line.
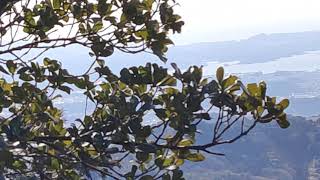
{"x":217,"y":20}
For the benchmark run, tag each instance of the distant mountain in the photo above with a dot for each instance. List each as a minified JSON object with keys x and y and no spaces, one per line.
{"x":259,"y":48}
{"x":267,"y":153}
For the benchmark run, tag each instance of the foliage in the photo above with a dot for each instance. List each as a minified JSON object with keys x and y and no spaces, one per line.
{"x":102,"y":25}
{"x":117,"y":139}
{"x":116,"y":130}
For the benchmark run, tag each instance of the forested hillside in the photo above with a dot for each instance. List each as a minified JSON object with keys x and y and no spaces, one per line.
{"x":267,"y":153}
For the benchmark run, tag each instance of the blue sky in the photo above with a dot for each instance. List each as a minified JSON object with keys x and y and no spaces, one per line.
{"x":218,"y":20}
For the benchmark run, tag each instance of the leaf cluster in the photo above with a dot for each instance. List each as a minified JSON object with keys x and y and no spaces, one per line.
{"x":103,"y":25}
{"x":35,"y":140}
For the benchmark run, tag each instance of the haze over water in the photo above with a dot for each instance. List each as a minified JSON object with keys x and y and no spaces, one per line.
{"x":306,"y":62}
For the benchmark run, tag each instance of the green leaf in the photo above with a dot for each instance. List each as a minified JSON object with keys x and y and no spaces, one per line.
{"x":229,"y":81}
{"x":220,"y":74}
{"x":11,"y":66}
{"x":46,"y":61}
{"x":55,"y":163}
{"x":284,"y":103}
{"x":185,"y":142}
{"x":65,"y":18}
{"x":168,"y":81}
{"x":148,"y":3}
{"x":142,"y":156}
{"x":263,"y":87}
{"x":179,"y":162}
{"x":197,"y":157}
{"x":168,"y":162}
{"x":212,"y":87}
{"x":107,"y":51}
{"x":80,"y":83}
{"x":19,"y":165}
{"x":161,"y":113}
{"x":123,"y":18}
{"x":253,"y":89}
{"x":143,"y":34}
{"x":282,"y":121}
{"x":97,"y":26}
{"x":26,"y":77}
{"x":56,"y":4}
{"x":167,"y":42}
{"x":82,"y":29}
